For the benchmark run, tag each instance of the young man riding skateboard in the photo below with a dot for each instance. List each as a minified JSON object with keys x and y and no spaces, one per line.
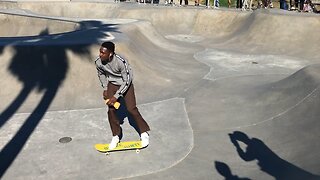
{"x":115,"y":76}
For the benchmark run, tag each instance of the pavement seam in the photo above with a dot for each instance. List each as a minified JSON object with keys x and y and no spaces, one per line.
{"x":278,"y":115}
{"x":178,"y":161}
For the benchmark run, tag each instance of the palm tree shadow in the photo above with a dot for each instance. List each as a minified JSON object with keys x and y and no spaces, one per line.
{"x":225,"y":171}
{"x":268,"y":161}
{"x":42,"y":66}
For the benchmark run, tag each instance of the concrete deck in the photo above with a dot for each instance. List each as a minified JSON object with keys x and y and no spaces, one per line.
{"x":228,"y":94}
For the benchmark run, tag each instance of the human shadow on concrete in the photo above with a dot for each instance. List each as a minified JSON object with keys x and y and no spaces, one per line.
{"x":268,"y":161}
{"x":42,"y":66}
{"x":225,"y":171}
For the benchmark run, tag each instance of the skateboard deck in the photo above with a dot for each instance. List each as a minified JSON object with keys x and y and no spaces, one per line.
{"x":122,"y":146}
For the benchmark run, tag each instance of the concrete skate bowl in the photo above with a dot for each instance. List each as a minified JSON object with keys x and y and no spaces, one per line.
{"x":238,"y":103}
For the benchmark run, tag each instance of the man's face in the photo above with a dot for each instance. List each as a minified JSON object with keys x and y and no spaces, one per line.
{"x":104,"y":54}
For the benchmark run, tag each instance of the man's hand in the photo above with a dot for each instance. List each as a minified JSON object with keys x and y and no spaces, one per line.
{"x":104,"y":94}
{"x":111,"y":101}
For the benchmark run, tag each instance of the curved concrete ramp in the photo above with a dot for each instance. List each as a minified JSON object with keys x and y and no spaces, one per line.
{"x":228,"y":94}
{"x":79,"y":159}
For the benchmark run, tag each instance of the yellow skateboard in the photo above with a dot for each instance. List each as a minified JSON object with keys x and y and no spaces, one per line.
{"x":122,"y":146}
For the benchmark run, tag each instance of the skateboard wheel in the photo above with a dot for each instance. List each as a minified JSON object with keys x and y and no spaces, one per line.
{"x":137,"y":151}
{"x":107,"y":153}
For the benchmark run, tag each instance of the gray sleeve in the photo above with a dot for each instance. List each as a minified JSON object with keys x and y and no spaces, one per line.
{"x":126,"y":74}
{"x":102,"y":77}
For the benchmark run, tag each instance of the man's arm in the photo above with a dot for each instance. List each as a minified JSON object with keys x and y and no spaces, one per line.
{"x":102,"y":78}
{"x":126,"y":75}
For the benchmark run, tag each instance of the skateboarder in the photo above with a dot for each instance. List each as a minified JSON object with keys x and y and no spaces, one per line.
{"x":115,"y":76}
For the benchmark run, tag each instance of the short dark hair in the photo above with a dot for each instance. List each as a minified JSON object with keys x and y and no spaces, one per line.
{"x":109,"y":45}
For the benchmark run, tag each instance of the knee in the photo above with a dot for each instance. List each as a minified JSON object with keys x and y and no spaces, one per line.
{"x":133,"y":110}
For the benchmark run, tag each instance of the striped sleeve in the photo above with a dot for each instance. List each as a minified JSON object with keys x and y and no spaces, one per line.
{"x":126,"y":75}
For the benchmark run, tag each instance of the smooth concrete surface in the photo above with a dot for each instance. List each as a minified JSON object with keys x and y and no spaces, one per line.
{"x":228,"y":94}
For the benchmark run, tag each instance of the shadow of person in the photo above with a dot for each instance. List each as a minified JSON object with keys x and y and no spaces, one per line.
{"x":42,"y":65}
{"x":268,"y":161}
{"x":225,"y":171}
